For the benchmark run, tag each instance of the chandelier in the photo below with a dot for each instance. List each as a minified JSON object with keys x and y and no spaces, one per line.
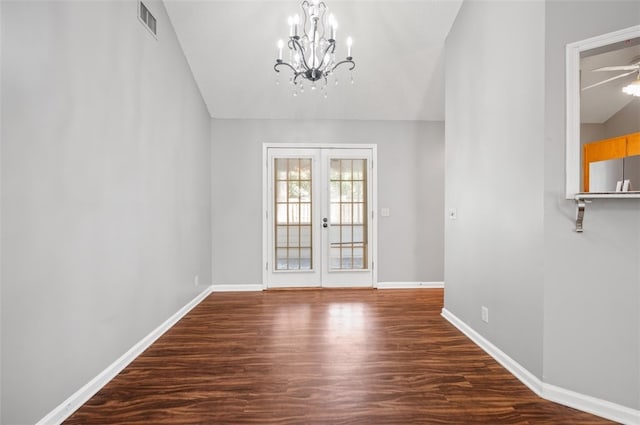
{"x":311,"y":47}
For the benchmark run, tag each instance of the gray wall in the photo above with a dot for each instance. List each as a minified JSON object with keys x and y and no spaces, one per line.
{"x":494,"y":174}
{"x":625,"y":121}
{"x":592,"y":280}
{"x":1,"y":132}
{"x":591,"y":133}
{"x":105,"y":192}
{"x":572,"y":303}
{"x":410,"y":183}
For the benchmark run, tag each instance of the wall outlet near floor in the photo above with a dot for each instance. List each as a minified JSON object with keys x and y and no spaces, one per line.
{"x":196,"y":280}
{"x":484,"y":311}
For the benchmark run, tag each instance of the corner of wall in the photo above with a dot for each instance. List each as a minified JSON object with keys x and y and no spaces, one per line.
{"x":494,"y":175}
{"x":1,"y":127}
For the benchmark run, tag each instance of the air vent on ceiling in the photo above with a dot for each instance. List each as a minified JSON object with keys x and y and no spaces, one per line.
{"x":147,"y":19}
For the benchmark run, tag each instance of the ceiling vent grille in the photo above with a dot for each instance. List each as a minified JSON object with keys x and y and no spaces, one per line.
{"x":147,"y":19}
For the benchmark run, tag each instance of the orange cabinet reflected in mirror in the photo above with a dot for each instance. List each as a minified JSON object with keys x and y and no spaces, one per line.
{"x":605,"y":162}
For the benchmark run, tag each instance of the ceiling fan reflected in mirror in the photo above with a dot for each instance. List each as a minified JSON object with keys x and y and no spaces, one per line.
{"x":633,"y":88}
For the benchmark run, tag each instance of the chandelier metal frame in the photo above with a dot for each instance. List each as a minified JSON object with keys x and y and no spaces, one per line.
{"x":303,"y":48}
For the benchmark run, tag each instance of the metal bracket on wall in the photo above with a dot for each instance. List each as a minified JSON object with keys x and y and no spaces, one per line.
{"x":582,"y":199}
{"x":580,"y":204}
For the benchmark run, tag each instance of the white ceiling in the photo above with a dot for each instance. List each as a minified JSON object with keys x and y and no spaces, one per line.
{"x":398,"y":50}
{"x":600,"y":103}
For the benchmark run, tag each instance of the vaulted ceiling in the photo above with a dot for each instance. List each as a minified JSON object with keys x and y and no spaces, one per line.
{"x":398,"y":49}
{"x":600,"y":103}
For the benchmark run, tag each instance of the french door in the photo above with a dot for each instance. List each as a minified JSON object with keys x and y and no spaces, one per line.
{"x":319,"y":214}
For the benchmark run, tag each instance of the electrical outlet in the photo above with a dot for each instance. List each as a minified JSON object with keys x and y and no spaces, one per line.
{"x":196,"y":280}
{"x":485,"y":314}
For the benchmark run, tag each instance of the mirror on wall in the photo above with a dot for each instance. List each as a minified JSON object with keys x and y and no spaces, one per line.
{"x":610,"y":117}
{"x":603,"y":113}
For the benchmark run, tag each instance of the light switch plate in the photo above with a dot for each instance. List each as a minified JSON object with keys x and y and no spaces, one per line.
{"x":384,"y":212}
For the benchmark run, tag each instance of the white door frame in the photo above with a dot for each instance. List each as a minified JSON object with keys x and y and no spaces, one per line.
{"x":265,"y":198}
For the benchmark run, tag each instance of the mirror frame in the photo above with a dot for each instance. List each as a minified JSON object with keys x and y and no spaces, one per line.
{"x":572,"y":142}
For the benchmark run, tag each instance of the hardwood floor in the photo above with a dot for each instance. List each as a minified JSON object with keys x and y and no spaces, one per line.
{"x":319,"y":357}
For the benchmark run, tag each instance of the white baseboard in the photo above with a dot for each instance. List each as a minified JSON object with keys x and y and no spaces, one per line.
{"x":249,"y":287}
{"x":596,"y":406}
{"x":381,"y":285}
{"x":410,"y":285}
{"x":77,"y":399}
{"x":526,"y":377}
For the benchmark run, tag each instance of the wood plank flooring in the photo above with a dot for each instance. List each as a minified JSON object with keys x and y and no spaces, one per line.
{"x":319,"y":357}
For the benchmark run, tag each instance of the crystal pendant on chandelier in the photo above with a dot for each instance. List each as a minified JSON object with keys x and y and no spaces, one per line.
{"x":312,"y":46}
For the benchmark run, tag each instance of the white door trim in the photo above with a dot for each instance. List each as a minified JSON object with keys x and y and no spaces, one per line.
{"x":265,"y":197}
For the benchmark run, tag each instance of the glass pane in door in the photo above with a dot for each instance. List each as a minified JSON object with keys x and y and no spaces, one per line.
{"x":293,"y":206}
{"x":348,"y":214}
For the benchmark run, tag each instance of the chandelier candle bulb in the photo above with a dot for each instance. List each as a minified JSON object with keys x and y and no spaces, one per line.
{"x":296,"y":21}
{"x":290,"y":22}
{"x":280,"y":46}
{"x":349,"y":44}
{"x":332,"y":26}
